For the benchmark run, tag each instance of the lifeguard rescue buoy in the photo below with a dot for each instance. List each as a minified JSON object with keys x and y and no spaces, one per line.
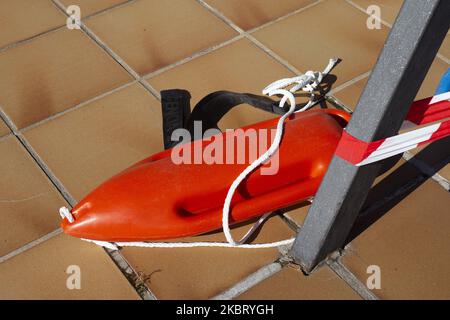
{"x":156,"y":199}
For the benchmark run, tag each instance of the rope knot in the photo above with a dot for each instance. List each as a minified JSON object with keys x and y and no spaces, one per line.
{"x":308,"y":82}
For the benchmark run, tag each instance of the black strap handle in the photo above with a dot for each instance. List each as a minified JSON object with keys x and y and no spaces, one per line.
{"x":215,"y":105}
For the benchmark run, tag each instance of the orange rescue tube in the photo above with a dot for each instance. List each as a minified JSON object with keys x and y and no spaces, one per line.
{"x":157,"y":199}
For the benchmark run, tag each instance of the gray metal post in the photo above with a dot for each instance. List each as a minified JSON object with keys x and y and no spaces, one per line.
{"x":404,"y":61}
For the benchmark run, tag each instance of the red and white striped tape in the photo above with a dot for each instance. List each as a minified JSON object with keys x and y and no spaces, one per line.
{"x":421,"y":112}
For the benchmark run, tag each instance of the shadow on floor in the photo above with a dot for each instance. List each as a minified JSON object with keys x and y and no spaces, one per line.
{"x":398,"y":185}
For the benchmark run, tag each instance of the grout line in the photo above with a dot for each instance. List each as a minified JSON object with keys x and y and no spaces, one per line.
{"x":337,"y":103}
{"x":271,"y":53}
{"x":63,"y":26}
{"x":143,"y":80}
{"x":349,"y":83}
{"x":387,"y":24}
{"x":221,"y":16}
{"x":230,"y":23}
{"x":292,"y":224}
{"x":78,"y":106}
{"x":348,"y":276}
{"x":192,"y":57}
{"x":30,"y":245}
{"x":118,"y":258}
{"x":120,"y":261}
{"x":30,"y":39}
{"x":53,"y":179}
{"x":106,"y":10}
{"x":281,"y":18}
{"x":337,"y":267}
{"x":443,"y":58}
{"x":6,"y":136}
{"x":384,"y":22}
{"x":274,"y":55}
{"x":130,"y":274}
{"x":250,"y":281}
{"x":112,"y":54}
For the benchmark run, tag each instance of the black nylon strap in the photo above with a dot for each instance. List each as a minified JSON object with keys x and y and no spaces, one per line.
{"x":215,"y":105}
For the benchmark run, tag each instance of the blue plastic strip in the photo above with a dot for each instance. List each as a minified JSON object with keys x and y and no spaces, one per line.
{"x":444,"y":85}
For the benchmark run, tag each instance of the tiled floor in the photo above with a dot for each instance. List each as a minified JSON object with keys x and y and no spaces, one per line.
{"x":210,"y":271}
{"x":43,"y":273}
{"x":4,"y":130}
{"x":83,"y":151}
{"x":409,"y":244}
{"x":28,"y":199}
{"x":83,"y":105}
{"x":290,"y":284}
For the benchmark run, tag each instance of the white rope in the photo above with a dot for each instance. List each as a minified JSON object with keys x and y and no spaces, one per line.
{"x":308,"y":82}
{"x":116,"y":245}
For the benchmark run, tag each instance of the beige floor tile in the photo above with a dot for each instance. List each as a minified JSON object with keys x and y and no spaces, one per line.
{"x":41,"y":273}
{"x":53,"y":73}
{"x":86,"y":146}
{"x":342,"y":32}
{"x":298,"y":213}
{"x":253,"y":13}
{"x":389,"y":8}
{"x":291,"y":284}
{"x":89,"y":7}
{"x":170,"y":35}
{"x":445,"y":47}
{"x":410,"y":245}
{"x":23,"y":19}
{"x":239,"y":67}
{"x":350,"y":95}
{"x":4,"y":130}
{"x":389,"y":12}
{"x":28,"y":201}
{"x":200,"y":273}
